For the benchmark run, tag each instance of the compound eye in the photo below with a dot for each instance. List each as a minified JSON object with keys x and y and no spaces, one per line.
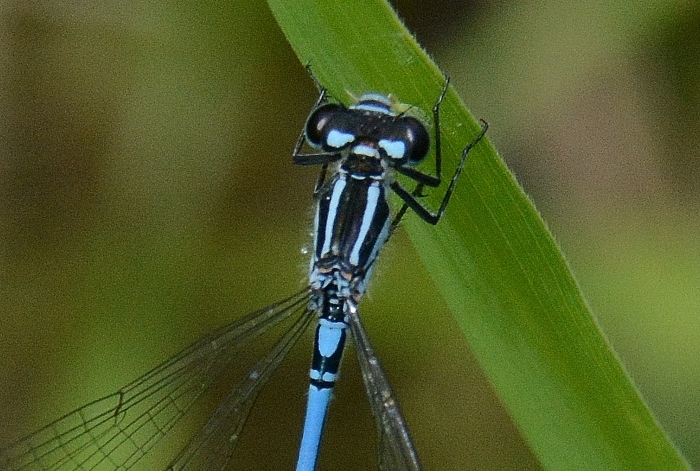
{"x":415,"y":140}
{"x":321,"y":127}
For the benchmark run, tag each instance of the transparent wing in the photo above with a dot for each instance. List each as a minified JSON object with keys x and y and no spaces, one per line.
{"x":211,"y":449}
{"x":396,"y":450}
{"x":114,"y":432}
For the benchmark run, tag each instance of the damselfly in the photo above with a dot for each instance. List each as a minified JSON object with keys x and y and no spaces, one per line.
{"x":359,"y":148}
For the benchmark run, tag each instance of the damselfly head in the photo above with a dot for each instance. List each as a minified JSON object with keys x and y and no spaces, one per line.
{"x":370,"y":123}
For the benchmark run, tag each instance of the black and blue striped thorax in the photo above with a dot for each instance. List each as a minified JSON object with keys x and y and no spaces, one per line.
{"x":353,"y":218}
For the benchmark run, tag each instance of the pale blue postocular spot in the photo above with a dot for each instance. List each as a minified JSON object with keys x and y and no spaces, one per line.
{"x":338,"y":139}
{"x":394,"y":149}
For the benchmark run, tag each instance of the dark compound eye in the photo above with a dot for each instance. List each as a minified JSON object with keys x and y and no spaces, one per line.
{"x":418,"y":141}
{"x":322,"y":126}
{"x":408,"y":142}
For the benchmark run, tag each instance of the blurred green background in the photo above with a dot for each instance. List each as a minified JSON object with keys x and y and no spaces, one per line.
{"x":147,"y":195}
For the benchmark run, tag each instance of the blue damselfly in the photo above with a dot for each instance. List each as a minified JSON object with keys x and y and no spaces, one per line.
{"x":359,"y":148}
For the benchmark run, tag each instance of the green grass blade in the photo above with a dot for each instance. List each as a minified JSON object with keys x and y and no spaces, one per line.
{"x":498,"y":268}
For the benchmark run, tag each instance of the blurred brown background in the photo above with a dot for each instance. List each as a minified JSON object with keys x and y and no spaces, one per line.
{"x":147,"y":196}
